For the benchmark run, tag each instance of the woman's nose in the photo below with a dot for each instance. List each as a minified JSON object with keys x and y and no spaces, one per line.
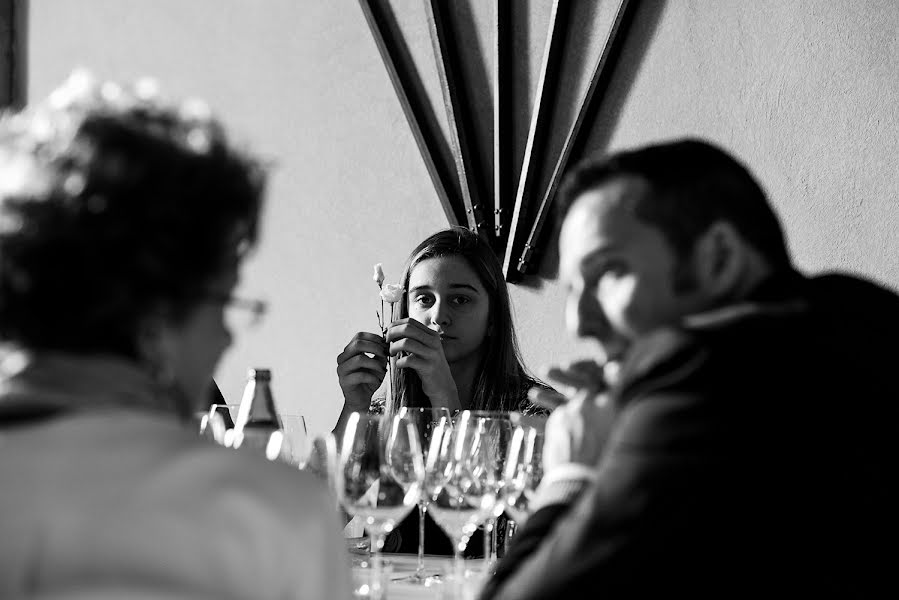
{"x":440,"y":314}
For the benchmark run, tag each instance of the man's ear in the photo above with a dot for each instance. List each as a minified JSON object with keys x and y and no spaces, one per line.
{"x":721,"y":258}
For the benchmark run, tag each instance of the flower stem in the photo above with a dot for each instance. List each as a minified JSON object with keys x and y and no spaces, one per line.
{"x":389,"y":358}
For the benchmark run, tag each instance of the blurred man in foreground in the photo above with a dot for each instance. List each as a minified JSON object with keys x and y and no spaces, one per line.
{"x":751,"y":447}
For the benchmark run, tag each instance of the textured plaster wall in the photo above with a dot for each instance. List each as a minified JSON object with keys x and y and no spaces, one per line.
{"x":808,"y":94}
{"x":805,"y":92}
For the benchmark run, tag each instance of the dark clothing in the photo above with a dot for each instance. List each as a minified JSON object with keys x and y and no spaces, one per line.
{"x":404,"y":539}
{"x":752,"y":455}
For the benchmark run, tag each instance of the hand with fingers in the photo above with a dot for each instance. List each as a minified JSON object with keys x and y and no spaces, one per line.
{"x":419,"y":348}
{"x":577,"y":430}
{"x":361,"y":368}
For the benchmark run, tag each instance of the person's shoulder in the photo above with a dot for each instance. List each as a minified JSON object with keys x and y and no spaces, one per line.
{"x":283,"y":519}
{"x":235,"y":477}
{"x":835,"y":281}
{"x":703,"y":344}
{"x":856,"y":314}
{"x":251,"y":471}
{"x":842,"y":292}
{"x":660,"y":354}
{"x":668,"y":390}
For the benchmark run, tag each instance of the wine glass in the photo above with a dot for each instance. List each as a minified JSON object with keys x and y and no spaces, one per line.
{"x":321,"y":461}
{"x":296,"y":446}
{"x":379,"y":475}
{"x":463,"y":495}
{"x":498,"y":426}
{"x":524,"y":468}
{"x":432,"y":424}
{"x":212,"y":425}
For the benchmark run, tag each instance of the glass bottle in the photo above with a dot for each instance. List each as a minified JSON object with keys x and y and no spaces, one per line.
{"x":258,"y":426}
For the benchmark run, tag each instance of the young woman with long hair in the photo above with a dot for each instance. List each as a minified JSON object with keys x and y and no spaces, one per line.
{"x":454,"y":342}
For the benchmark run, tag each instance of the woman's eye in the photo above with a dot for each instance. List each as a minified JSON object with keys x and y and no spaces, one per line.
{"x":460,"y":300}
{"x":424,"y":300}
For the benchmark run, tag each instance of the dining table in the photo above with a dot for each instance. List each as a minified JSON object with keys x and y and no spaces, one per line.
{"x":398,"y":569}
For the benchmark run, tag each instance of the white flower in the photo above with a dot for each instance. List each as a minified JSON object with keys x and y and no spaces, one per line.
{"x":392,"y":292}
{"x":379,"y":275}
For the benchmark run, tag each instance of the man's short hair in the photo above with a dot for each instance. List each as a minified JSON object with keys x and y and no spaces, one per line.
{"x":693,"y":184}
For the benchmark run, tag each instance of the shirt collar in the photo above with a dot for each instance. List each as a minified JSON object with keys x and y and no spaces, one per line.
{"x":61,"y":382}
{"x":781,"y":293}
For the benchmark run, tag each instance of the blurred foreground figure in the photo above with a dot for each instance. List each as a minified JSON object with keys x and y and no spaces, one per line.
{"x":123,"y":223}
{"x":752,"y":449}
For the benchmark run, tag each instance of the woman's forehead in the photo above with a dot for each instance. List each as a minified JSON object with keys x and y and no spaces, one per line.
{"x":444,"y":271}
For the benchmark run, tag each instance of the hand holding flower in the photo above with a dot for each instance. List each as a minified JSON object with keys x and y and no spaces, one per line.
{"x":390,"y":293}
{"x":361,"y":368}
{"x":421,"y":349}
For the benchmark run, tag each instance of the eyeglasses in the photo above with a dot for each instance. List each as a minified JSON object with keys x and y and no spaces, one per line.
{"x":239,"y":313}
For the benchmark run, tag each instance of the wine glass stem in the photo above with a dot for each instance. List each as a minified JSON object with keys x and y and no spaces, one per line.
{"x":488,"y":535}
{"x":458,"y":571}
{"x":422,"y":510}
{"x":377,"y":589}
{"x":494,"y":534}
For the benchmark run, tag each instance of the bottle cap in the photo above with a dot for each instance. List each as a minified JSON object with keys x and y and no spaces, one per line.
{"x":259,"y":374}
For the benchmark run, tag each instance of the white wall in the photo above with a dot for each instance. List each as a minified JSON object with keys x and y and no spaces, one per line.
{"x":805,"y":92}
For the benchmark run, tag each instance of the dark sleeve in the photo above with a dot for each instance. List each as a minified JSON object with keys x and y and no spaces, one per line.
{"x":621,"y":526}
{"x":651,"y":478}
{"x":526,"y":541}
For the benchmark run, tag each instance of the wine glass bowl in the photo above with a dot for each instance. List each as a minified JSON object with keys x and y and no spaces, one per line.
{"x":296,"y":446}
{"x":212,"y":426}
{"x":379,"y":475}
{"x":496,"y":430}
{"x":432,"y":424}
{"x":466,"y":495}
{"x":524,"y":469}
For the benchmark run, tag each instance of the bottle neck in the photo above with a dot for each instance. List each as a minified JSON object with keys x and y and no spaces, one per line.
{"x":257,"y":407}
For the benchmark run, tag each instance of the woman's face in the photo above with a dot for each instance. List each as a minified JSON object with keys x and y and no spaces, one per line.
{"x":198,"y":342}
{"x":446,"y":295}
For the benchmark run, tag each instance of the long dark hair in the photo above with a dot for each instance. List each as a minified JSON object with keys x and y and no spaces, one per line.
{"x":502,"y":381}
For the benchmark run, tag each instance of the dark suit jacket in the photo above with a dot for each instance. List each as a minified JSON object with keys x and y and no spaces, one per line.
{"x":753,"y":455}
